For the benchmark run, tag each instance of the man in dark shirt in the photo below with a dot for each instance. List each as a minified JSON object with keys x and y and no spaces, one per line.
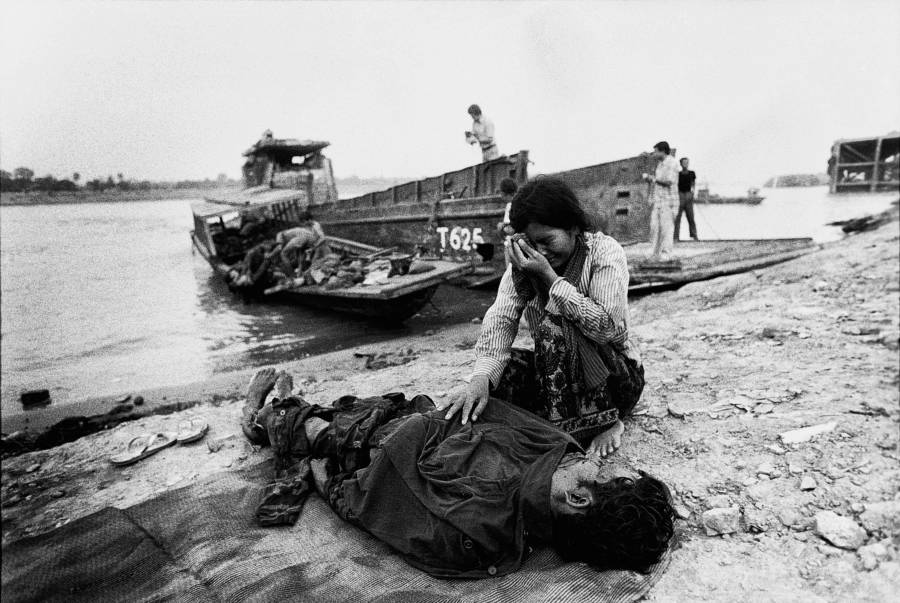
{"x":457,"y":501}
{"x":686,"y":180}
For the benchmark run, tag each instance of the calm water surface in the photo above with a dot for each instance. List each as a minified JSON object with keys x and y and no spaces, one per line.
{"x":99,"y":299}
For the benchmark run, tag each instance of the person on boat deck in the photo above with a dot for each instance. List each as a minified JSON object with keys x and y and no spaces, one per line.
{"x":254,"y":269}
{"x":508,"y":190}
{"x":253,"y":224}
{"x":300,"y":244}
{"x":584,"y":374}
{"x":663,"y":202}
{"x":686,"y":182}
{"x":457,"y":501}
{"x":483,"y":133}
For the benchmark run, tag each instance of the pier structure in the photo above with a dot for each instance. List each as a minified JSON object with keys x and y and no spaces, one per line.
{"x":865,"y":164}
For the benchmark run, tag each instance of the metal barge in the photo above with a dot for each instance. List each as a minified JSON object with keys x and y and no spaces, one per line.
{"x":456,"y":216}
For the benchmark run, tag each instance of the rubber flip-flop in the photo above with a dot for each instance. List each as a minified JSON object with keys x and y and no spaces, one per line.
{"x":191,"y":430}
{"x":143,"y":446}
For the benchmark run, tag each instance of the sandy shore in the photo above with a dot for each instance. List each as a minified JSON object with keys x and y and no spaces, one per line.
{"x":731,"y":364}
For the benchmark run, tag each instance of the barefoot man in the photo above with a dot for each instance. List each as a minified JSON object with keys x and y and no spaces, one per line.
{"x":456,"y":501}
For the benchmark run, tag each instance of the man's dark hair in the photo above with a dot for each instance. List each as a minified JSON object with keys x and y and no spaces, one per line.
{"x":474,"y":110}
{"x":628,"y":527}
{"x":683,"y":159}
{"x":663,"y":146}
{"x":547,"y":201}
{"x":508,"y":186}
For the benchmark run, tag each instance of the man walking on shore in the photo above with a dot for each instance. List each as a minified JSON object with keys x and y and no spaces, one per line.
{"x":663,"y":201}
{"x":686,"y":180}
{"x":483,"y":133}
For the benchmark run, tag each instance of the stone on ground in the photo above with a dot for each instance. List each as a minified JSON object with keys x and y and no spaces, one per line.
{"x":840,"y":531}
{"x":722,"y":521}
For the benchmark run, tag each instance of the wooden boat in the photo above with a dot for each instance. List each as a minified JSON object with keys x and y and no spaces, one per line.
{"x":456,"y":216}
{"x":215,"y":237}
{"x":702,"y":260}
{"x":753,"y":198}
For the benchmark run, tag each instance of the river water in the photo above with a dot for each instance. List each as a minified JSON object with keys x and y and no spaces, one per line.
{"x":101,"y":299}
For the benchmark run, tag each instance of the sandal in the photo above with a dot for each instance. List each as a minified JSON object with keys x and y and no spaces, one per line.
{"x":191,"y":430}
{"x":143,"y":446}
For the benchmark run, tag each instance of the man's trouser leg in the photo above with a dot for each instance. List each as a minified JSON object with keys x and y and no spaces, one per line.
{"x":682,"y":200}
{"x":689,"y":212}
{"x":490,"y":153}
{"x":666,"y":229}
{"x":654,"y":229}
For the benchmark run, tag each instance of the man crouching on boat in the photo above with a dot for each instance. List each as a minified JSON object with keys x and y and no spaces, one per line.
{"x":457,"y":501}
{"x":301,"y":245}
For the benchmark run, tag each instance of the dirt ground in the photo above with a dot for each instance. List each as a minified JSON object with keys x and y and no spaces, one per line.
{"x":732,"y":365}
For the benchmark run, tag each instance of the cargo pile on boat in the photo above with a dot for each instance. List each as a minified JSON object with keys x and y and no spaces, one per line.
{"x":340,"y":271}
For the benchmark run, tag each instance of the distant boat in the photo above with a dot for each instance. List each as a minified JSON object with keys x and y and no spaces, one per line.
{"x":753,"y":197}
{"x":795,"y":180}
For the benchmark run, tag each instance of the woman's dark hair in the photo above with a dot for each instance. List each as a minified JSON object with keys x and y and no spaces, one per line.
{"x":306,"y":215}
{"x":508,"y":186}
{"x":628,"y":527}
{"x":663,"y":146}
{"x":547,"y":201}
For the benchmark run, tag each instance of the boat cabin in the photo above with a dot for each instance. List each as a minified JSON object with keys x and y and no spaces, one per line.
{"x":225,"y":232}
{"x":288,"y":163}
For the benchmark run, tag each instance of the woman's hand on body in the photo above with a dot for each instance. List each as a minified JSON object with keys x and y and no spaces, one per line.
{"x":470,"y":400}
{"x":527,"y":259}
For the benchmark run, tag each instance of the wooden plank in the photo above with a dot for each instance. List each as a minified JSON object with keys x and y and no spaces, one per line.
{"x":855,"y":152}
{"x":876,"y":166}
{"x":722,"y":269}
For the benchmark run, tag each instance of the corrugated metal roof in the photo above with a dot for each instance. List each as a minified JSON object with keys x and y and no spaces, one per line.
{"x":255,"y":199}
{"x":287,"y":146}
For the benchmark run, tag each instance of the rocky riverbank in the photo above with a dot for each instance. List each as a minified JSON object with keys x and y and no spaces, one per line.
{"x":771,"y":407}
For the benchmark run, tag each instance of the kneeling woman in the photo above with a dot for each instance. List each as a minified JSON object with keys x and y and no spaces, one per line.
{"x":572,"y":285}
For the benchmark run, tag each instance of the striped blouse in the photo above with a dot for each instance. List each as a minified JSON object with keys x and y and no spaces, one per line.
{"x":601,"y":316}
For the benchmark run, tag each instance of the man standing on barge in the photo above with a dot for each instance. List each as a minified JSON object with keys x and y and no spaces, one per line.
{"x":483,"y":133}
{"x":663,"y":202}
{"x":686,"y":181}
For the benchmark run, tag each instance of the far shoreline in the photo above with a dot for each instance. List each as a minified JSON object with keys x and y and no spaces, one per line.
{"x":353,"y":186}
{"x":111,"y":196}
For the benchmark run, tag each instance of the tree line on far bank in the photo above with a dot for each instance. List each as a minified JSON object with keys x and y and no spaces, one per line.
{"x":22,"y":180}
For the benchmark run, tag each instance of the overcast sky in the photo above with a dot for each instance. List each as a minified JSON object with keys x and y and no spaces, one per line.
{"x":178,"y":90}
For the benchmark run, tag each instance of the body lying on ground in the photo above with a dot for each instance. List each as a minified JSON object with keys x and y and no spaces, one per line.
{"x":464,"y":501}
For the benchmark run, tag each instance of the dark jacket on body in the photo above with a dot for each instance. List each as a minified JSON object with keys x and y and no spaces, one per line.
{"x":459,"y":501}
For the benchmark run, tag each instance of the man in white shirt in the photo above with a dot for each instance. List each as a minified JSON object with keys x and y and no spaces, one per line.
{"x":483,"y":133}
{"x":663,"y":202}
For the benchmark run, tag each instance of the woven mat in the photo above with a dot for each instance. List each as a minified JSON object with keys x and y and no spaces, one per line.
{"x":201,"y":543}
